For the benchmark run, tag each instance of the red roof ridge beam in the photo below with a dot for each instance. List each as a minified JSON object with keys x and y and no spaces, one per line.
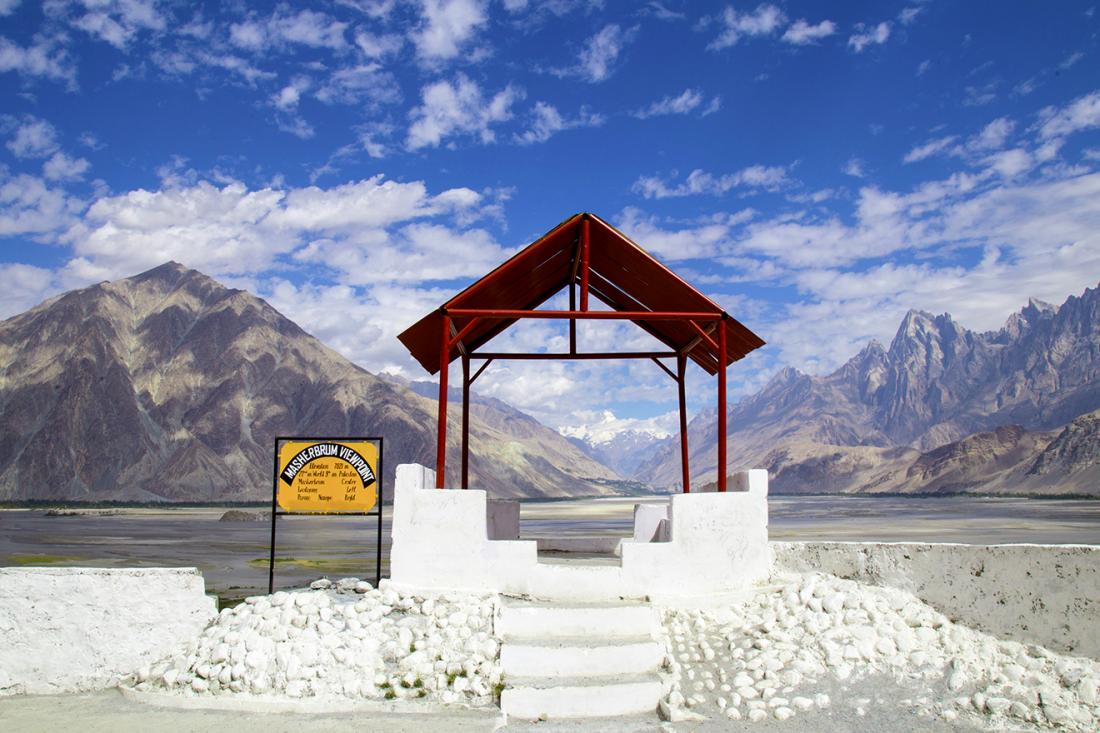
{"x":583,"y":250}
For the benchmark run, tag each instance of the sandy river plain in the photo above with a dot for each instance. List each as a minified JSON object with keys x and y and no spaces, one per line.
{"x":233,"y":556}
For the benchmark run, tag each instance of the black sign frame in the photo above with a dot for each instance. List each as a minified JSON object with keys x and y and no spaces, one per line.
{"x":275,"y":513}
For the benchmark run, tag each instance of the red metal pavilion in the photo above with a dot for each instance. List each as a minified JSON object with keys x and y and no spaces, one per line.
{"x":586,"y":254}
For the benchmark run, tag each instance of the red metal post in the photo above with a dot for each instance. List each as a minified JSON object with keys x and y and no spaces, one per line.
{"x":465,"y":421}
{"x":722,"y":405}
{"x":681,"y":369}
{"x":584,"y":264}
{"x":572,"y":321}
{"x":441,"y":444}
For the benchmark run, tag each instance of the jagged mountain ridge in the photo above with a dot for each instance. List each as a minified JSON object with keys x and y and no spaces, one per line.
{"x":169,"y":386}
{"x":936,"y":384}
{"x":624,"y":453}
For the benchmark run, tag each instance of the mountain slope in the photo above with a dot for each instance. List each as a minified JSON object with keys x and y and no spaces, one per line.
{"x":168,"y":385}
{"x":935,"y":385}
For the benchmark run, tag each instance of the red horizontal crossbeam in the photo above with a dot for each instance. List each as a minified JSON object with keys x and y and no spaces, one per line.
{"x":579,"y":357}
{"x":587,"y":315}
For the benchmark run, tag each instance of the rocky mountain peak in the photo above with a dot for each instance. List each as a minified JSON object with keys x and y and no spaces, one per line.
{"x":169,"y":386}
{"x":1026,"y":319}
{"x":783,"y":378}
{"x":921,"y":328}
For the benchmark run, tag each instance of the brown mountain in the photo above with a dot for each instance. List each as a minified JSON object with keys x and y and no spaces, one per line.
{"x":937,"y":385}
{"x":167,"y":385}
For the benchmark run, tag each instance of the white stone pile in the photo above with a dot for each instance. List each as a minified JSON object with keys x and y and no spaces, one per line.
{"x":772,"y":657}
{"x":343,"y":639}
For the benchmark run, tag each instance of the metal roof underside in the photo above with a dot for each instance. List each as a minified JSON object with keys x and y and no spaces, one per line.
{"x":621,"y":274}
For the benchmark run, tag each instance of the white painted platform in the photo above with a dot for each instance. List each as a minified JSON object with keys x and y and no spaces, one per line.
{"x":579,"y":660}
{"x":691,"y":545}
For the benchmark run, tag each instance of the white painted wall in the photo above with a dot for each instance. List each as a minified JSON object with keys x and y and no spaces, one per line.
{"x":716,"y":543}
{"x":1046,"y":594}
{"x":77,"y":629}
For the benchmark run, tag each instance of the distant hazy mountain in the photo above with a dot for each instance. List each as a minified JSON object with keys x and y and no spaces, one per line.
{"x":937,"y":386}
{"x":624,"y":452}
{"x":168,"y":385}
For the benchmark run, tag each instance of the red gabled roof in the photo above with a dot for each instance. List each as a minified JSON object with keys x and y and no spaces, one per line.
{"x":621,"y":274}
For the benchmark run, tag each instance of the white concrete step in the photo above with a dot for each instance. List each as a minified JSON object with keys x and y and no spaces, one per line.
{"x":526,"y":620}
{"x":589,"y":697}
{"x":582,"y":581}
{"x":565,"y":658}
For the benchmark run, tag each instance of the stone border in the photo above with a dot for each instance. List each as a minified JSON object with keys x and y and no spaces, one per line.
{"x":1047,"y":594}
{"x":78,"y":629}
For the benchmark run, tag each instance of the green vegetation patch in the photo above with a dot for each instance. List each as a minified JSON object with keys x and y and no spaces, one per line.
{"x":326,"y":565}
{"x":39,"y":559}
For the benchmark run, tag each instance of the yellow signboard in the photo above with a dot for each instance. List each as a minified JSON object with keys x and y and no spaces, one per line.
{"x":327,"y":476}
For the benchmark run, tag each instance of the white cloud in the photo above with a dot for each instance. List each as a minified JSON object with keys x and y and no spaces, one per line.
{"x":993,"y":136}
{"x":249,"y":34}
{"x":116,"y":22}
{"x":909,"y":15}
{"x":763,"y":21}
{"x":865,"y":36}
{"x":855,"y":168}
{"x":43,"y":58}
{"x":1036,"y":238}
{"x":360,"y":83}
{"x":309,"y":28}
{"x":1082,"y":113}
{"x":233,"y":231}
{"x":296,"y":126}
{"x":930,"y":148}
{"x":446,"y":26}
{"x":7,"y":7}
{"x":33,"y":138}
{"x":288,"y":97}
{"x":801,"y":33}
{"x":705,"y":239}
{"x":378,"y":46}
{"x":305,"y":28}
{"x":1010,"y":163}
{"x":377,"y":9}
{"x":23,"y":286}
{"x":458,"y":108}
{"x":1070,"y":61}
{"x":28,"y":206}
{"x":923,"y":67}
{"x":686,"y":102}
{"x":979,"y":96}
{"x":768,"y":178}
{"x":182,"y":65}
{"x":417,"y":253}
{"x":60,"y":167}
{"x":547,"y":121}
{"x":600,"y":52}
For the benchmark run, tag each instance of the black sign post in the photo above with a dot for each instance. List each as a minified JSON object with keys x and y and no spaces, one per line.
{"x":324,"y":448}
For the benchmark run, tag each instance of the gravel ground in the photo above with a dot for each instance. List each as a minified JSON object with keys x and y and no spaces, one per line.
{"x":109,"y":712}
{"x":808,"y":652}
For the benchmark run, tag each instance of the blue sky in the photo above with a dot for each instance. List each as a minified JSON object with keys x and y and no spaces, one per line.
{"x":818,"y":170}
